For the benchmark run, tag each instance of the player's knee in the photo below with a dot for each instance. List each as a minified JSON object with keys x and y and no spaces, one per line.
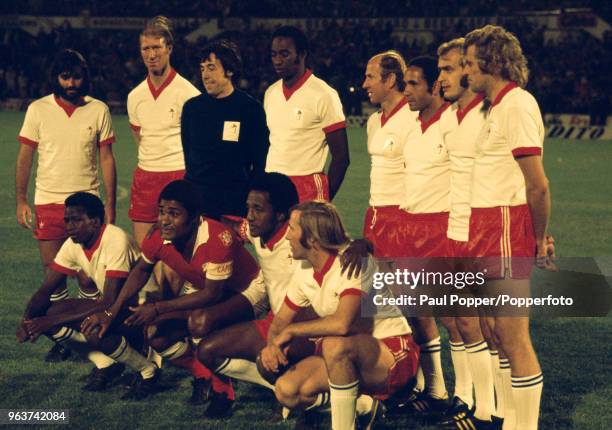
{"x":468,"y":326}
{"x":336,"y":348}
{"x":199,"y":323}
{"x":207,"y":351}
{"x":159,"y":343}
{"x":287,"y":392}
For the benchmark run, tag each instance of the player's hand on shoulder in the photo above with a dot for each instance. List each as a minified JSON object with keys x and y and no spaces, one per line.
{"x":355,"y":256}
{"x":24,"y":215}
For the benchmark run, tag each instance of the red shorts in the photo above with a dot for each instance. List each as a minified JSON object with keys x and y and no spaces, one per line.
{"x":146,"y":187}
{"x":311,"y":187}
{"x":406,"y":362}
{"x":503,"y":239}
{"x":388,"y":229}
{"x":406,"y":354}
{"x":426,"y":235}
{"x":263,"y":325}
{"x":50,"y":222}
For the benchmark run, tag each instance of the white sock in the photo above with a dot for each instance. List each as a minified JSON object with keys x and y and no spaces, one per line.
{"x":463,"y":376}
{"x":527,"y":392}
{"x":59,"y":295}
{"x":343,"y":404}
{"x":175,"y":351}
{"x":420,"y":380}
{"x":243,"y":370}
{"x":78,"y":342}
{"x":364,"y":404}
{"x":482,"y":375}
{"x":155,"y":357}
{"x":133,"y":359}
{"x":86,"y":295}
{"x":509,"y":408}
{"x":321,"y":401}
{"x":100,"y":360}
{"x":431,"y":363}
{"x":499,"y":391}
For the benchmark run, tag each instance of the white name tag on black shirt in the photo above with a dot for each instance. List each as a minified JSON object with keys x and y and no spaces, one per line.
{"x":231,"y":131}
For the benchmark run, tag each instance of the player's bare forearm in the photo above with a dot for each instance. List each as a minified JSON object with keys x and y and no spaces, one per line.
{"x":23,"y":168}
{"x":135,"y":281}
{"x":210,"y":294}
{"x":109,"y":174}
{"x":282,"y":319}
{"x":41,"y":299}
{"x":83,"y":312}
{"x":338,"y":148}
{"x":537,"y":193}
{"x":338,"y":324}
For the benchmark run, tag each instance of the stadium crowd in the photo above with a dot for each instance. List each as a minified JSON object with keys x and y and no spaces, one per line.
{"x":562,"y":83}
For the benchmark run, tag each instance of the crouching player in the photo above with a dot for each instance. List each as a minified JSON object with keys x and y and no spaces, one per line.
{"x":105,"y":253}
{"x":355,"y":354}
{"x":207,"y":264}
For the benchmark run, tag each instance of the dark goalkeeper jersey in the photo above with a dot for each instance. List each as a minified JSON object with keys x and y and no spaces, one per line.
{"x":225,"y":143}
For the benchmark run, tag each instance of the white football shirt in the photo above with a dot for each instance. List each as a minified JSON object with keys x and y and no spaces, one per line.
{"x":460,"y":131}
{"x":112,"y":256}
{"x":156,"y":115}
{"x":514,"y":128}
{"x":427,"y":175}
{"x":324,"y":290}
{"x":276,"y":265}
{"x":299,"y":119}
{"x":67,"y":138}
{"x":386,"y":139}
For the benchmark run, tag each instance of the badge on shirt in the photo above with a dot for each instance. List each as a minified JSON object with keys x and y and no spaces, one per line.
{"x":231,"y":131}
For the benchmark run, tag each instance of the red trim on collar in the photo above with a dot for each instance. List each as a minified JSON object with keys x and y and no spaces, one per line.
{"x":433,"y":119}
{"x":509,"y":87}
{"x":461,"y":113}
{"x":401,"y":104}
{"x":156,"y":92}
{"x":69,"y":108}
{"x":89,"y":252}
{"x":319,"y":276}
{"x":277,"y":237}
{"x":288,"y":92}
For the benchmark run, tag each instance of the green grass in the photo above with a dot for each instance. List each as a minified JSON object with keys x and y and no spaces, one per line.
{"x":576,"y":353}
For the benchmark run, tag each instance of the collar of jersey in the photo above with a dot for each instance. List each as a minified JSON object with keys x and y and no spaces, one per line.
{"x":384,"y":119}
{"x":90,"y":252}
{"x":69,"y":108}
{"x":509,"y":87}
{"x":319,"y":276}
{"x":157,"y":92}
{"x":433,"y":119}
{"x":462,"y":113}
{"x":288,"y":92}
{"x":277,"y":237}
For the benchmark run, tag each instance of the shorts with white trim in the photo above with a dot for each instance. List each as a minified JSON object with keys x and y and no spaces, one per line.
{"x":311,"y":187}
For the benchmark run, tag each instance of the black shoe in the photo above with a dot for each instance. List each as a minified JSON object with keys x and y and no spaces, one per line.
{"x":58,"y":353}
{"x":456,"y":407}
{"x":101,"y":379}
{"x":367,"y":421}
{"x":200,"y":393}
{"x":276,"y":414}
{"x":427,"y":407}
{"x":142,"y":388}
{"x":465,"y":420}
{"x":220,"y":406}
{"x":309,"y":420}
{"x":497,"y":423}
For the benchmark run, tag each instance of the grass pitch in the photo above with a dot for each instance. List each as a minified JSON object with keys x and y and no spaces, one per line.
{"x":575,"y":353}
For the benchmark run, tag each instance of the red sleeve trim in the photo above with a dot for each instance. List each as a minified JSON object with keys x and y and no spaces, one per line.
{"x":522,"y":152}
{"x":136,"y":128}
{"x":352,"y":292}
{"x":108,"y":141}
{"x":292,"y":305}
{"x":334,"y":127}
{"x":61,"y":269}
{"x":116,"y":274}
{"x":26,"y":141}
